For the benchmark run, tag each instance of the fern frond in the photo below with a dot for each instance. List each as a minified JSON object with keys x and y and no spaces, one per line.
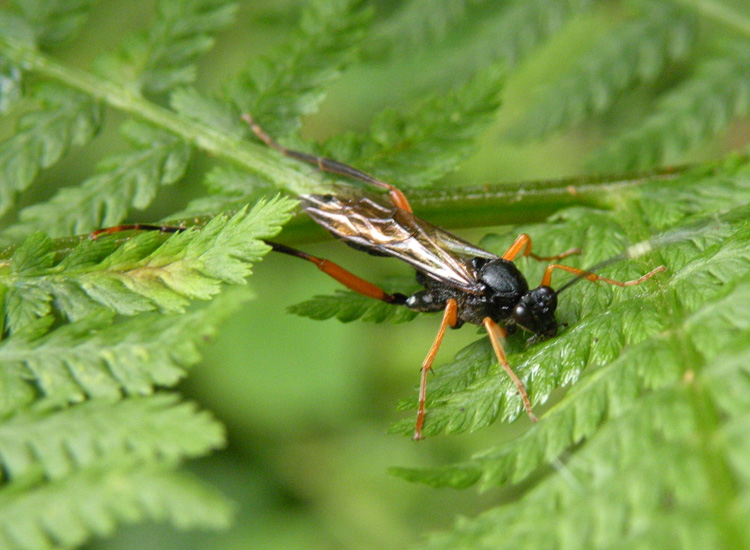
{"x":230,"y":189}
{"x":163,"y":58}
{"x":648,"y":441}
{"x":15,"y":32}
{"x":92,"y":502}
{"x":125,"y":180}
{"x":102,"y":357}
{"x":10,"y":85}
{"x":290,"y":83}
{"x":700,"y":107}
{"x":643,"y":497}
{"x":421,"y":22}
{"x":646,"y":494}
{"x":53,"y":21}
{"x":422,"y":146}
{"x":145,"y":273}
{"x":490,"y":33}
{"x":151,"y":429}
{"x":64,"y":118}
{"x":523,"y":26}
{"x":209,"y":111}
{"x":225,"y":180}
{"x":638,"y":52}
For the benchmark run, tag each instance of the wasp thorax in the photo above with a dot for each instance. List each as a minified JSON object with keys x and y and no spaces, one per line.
{"x":503,"y":278}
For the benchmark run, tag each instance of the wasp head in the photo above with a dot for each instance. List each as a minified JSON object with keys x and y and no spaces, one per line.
{"x":535,"y":312}
{"x":532,"y":310}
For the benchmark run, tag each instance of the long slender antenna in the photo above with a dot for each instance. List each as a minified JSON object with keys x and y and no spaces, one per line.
{"x":592,"y":269}
{"x":630,"y":252}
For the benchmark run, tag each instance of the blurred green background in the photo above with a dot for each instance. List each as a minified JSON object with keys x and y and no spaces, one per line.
{"x":307,"y":404}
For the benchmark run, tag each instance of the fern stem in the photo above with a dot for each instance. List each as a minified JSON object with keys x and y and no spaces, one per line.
{"x":524,"y":202}
{"x":255,"y":158}
{"x":720,"y":13}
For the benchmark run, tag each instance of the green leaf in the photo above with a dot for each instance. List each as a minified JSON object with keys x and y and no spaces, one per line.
{"x":230,"y":188}
{"x":347,"y":306}
{"x":53,"y":21}
{"x":430,"y":141}
{"x":163,"y":58}
{"x":144,"y":273}
{"x":646,"y":493}
{"x":211,"y":112}
{"x":524,"y":26}
{"x":641,"y":51}
{"x":124,"y":180}
{"x":485,"y":31}
{"x":92,"y":502}
{"x":102,"y":357}
{"x":57,"y":443}
{"x":278,"y":90}
{"x":421,"y":22}
{"x":10,"y":85}
{"x":225,"y":180}
{"x":16,"y":33}
{"x":64,"y":118}
{"x":700,"y":107}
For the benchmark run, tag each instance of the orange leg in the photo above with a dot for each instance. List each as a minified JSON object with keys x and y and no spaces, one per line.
{"x":329,"y":165}
{"x":593,"y":277}
{"x":496,"y":333}
{"x":523,"y":243}
{"x":346,"y":278}
{"x":450,"y":317}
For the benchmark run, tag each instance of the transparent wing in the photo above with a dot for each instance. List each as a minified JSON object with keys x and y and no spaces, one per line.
{"x":395,"y":232}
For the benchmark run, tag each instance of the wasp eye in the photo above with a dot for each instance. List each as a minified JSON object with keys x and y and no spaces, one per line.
{"x":522,"y":315}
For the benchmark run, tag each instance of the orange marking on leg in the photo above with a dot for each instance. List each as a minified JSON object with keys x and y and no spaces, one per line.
{"x":350,"y":280}
{"x":398,"y":198}
{"x":343,"y":276}
{"x":593,"y":277}
{"x":450,"y":317}
{"x":523,"y":243}
{"x":496,"y":334}
{"x":109,"y":230}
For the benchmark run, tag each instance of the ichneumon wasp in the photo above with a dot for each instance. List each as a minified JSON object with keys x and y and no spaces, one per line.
{"x":468,"y":284}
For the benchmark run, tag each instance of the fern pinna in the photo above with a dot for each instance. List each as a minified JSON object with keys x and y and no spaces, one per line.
{"x":642,"y":397}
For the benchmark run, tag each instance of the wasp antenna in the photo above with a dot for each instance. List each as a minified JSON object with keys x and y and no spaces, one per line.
{"x":593,"y":277}
{"x":592,"y":269}
{"x":633,"y":251}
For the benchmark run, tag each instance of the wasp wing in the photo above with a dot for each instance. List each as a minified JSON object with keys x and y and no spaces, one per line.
{"x":373,"y":227}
